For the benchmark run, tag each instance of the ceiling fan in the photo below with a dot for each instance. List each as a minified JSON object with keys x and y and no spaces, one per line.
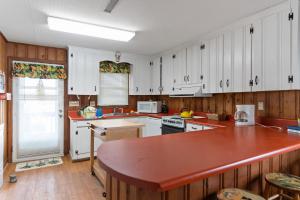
{"x":111,"y":5}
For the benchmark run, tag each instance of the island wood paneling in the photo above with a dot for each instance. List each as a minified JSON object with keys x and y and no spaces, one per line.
{"x":3,"y":104}
{"x":249,"y":177}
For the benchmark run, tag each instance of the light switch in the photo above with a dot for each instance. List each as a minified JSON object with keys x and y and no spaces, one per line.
{"x":73,"y":103}
{"x":261,"y":105}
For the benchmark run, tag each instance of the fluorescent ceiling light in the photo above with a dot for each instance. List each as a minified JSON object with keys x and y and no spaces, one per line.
{"x":89,"y":29}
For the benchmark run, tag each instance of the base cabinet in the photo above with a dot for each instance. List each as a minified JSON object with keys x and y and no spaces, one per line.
{"x":80,"y":135}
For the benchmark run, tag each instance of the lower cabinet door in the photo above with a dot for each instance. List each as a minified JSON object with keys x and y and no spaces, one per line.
{"x":193,"y":127}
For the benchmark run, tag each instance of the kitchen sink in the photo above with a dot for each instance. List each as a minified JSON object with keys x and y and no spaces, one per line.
{"x":115,"y":114}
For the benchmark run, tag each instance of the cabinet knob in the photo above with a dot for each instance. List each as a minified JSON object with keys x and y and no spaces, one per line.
{"x":136,"y":89}
{"x":203,"y":86}
{"x":95,"y":88}
{"x":71,"y":88}
{"x":227,"y":83}
{"x":256,"y":80}
{"x":251,"y":83}
{"x":221,"y":83}
{"x":201,"y":77}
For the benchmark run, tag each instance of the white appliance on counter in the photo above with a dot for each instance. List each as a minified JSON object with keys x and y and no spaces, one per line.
{"x":244,"y":115}
{"x":149,"y":106}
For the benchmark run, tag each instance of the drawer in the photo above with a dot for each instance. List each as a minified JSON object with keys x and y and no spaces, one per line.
{"x":83,"y":123}
{"x":193,"y":127}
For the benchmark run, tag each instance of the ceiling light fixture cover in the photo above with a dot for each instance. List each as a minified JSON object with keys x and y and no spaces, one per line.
{"x":89,"y":29}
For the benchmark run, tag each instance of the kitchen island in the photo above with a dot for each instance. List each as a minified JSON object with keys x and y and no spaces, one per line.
{"x":196,"y":165}
{"x":108,"y":130}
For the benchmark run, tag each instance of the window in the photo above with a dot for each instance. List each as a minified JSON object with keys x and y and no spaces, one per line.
{"x":113,"y":89}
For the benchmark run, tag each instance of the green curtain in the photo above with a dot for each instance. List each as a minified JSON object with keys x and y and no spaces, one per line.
{"x":112,"y":67}
{"x":38,"y":70}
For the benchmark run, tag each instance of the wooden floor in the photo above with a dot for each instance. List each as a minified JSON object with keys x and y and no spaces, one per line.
{"x":68,"y":181}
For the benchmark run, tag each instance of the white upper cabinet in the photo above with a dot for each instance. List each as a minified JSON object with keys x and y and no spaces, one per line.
{"x":213,"y":60}
{"x":238,"y":58}
{"x":83,"y":72}
{"x":139,"y":82}
{"x":179,"y":68}
{"x":220,"y":63}
{"x":204,"y":54}
{"x":155,"y":88}
{"x":193,"y":67}
{"x":167,"y":74}
{"x":227,"y":73}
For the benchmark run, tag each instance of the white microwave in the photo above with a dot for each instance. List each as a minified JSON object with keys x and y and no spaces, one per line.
{"x":149,"y":106}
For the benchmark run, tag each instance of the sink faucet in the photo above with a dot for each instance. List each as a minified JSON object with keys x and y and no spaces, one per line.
{"x":118,"y":110}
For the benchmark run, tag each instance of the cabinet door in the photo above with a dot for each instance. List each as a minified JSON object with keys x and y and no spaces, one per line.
{"x":193,"y":127}
{"x":257,"y":56}
{"x":238,"y":58}
{"x":92,"y":78}
{"x":205,"y":67}
{"x":155,"y":76}
{"x":228,"y":83}
{"x":193,"y":65}
{"x":83,"y":138}
{"x":286,"y":68}
{"x":247,"y":74}
{"x":153,"y":127}
{"x":213,"y":58}
{"x":167,"y":74}
{"x":220,"y":63}
{"x":179,"y":67}
{"x":270,"y":44}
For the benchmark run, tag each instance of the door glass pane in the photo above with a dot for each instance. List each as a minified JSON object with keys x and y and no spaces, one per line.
{"x":38,"y":117}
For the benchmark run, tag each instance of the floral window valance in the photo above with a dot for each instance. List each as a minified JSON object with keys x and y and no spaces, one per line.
{"x":112,"y":67}
{"x":38,"y":70}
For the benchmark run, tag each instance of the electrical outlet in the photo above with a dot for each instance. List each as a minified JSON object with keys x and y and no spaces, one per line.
{"x":261,"y":106}
{"x":73,"y":103}
{"x":92,"y":103}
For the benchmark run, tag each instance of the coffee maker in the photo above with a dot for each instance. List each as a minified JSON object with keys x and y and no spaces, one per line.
{"x":244,"y":115}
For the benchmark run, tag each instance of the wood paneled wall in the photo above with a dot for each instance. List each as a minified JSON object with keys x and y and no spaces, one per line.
{"x":34,"y":53}
{"x":277,"y":104}
{"x":3,"y":110}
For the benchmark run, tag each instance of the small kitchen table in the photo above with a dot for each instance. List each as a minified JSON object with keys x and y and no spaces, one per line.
{"x":108,"y":130}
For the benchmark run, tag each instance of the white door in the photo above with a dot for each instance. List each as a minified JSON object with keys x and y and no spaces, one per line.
{"x":228,"y":83}
{"x":238,"y":58}
{"x":193,"y":67}
{"x":167,"y":74}
{"x":205,"y":67}
{"x":179,"y":63}
{"x":271,"y":55}
{"x":155,"y":74}
{"x":220,"y":63}
{"x":38,"y":117}
{"x":213,"y":58}
{"x":257,"y":56}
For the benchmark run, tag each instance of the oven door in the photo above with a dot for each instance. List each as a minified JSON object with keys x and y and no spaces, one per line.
{"x":165,"y":129}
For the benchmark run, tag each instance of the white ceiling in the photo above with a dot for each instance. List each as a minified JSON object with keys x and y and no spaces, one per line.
{"x":160,"y":24}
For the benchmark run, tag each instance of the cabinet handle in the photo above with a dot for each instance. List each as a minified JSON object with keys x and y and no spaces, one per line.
{"x":95,"y":88}
{"x":71,"y":88}
{"x":221,"y":83}
{"x":188,"y":78}
{"x":201,"y":77}
{"x":256,"y":80}
{"x":136,"y":89}
{"x":203,"y":86}
{"x":184,"y":78}
{"x":251,"y":83}
{"x":227,"y":83}
{"x":194,"y":128}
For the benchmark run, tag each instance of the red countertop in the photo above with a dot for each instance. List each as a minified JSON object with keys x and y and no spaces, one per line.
{"x":165,"y":162}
